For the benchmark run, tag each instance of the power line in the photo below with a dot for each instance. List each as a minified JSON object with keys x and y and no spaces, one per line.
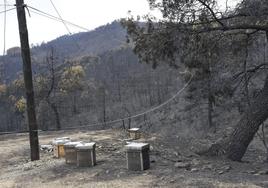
{"x":5,"y":11}
{"x":5,"y":20}
{"x":126,"y":118}
{"x":49,"y":16}
{"x":65,"y":25}
{"x":6,"y":5}
{"x":42,"y":13}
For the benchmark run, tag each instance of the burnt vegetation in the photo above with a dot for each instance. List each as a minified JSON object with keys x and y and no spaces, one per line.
{"x":93,"y":77}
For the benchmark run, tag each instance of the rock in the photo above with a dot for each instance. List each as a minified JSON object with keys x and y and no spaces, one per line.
{"x":208,"y":167}
{"x":46,"y":148}
{"x":172,"y":181}
{"x":36,"y":165}
{"x":176,"y":153}
{"x":165,"y":161}
{"x":227,"y":168}
{"x":112,"y":149}
{"x":145,"y":174}
{"x":107,"y":171}
{"x":221,"y":172}
{"x":263,"y":172}
{"x":195,"y":162}
{"x":182,"y":165}
{"x":251,"y":172}
{"x":26,"y":168}
{"x":194,"y":170}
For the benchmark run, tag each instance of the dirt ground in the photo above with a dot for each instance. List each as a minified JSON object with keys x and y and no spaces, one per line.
{"x":171,"y":165}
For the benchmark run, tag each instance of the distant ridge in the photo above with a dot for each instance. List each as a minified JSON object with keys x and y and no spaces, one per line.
{"x":104,"y":38}
{"x":109,"y":37}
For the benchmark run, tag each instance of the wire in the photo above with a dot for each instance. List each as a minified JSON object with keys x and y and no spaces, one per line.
{"x":7,"y":10}
{"x":49,"y":16}
{"x":65,"y":25}
{"x":37,"y":11}
{"x":122,"y":119}
{"x":5,"y":22}
{"x":6,"y":5}
{"x":42,"y":13}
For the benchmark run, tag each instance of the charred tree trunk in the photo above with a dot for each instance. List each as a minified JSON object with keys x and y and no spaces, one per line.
{"x":57,"y":116}
{"x":210,"y":96}
{"x":52,"y":105}
{"x":210,"y":106}
{"x":210,"y":111}
{"x":56,"y":113}
{"x":235,"y":146}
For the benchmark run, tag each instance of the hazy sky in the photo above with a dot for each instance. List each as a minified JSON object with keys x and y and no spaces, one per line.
{"x":87,"y":13}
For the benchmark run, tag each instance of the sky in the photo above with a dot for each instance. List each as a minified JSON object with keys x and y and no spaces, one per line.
{"x":89,"y":14}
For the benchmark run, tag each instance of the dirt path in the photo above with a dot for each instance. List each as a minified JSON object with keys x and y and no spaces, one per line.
{"x":169,"y":167}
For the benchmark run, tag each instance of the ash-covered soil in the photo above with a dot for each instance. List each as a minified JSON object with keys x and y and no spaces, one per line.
{"x":173,"y":164}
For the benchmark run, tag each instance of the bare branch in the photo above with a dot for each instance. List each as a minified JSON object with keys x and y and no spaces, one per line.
{"x":212,"y":12}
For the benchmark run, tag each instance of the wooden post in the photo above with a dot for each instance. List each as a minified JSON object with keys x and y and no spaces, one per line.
{"x":27,"y":72}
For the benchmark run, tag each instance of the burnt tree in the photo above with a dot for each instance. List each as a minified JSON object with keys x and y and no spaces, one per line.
{"x":170,"y":39}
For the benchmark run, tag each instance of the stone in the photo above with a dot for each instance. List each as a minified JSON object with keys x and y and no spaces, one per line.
{"x":263,"y":172}
{"x":251,"y":172}
{"x":194,"y":170}
{"x":176,"y":153}
{"x":195,"y":162}
{"x":172,"y":181}
{"x":227,"y":168}
{"x":221,"y":172}
{"x":182,"y":165}
{"x":208,"y":167}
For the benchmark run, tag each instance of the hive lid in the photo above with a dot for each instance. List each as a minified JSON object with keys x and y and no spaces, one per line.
{"x":85,"y":145}
{"x":137,"y":146}
{"x":72,"y":143}
{"x":63,"y":138}
{"x":58,"y":142}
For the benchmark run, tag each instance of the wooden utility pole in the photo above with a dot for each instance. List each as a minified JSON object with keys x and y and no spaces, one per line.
{"x":28,"y":81}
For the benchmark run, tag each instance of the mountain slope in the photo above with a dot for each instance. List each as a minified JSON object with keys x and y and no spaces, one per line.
{"x":102,"y":39}
{"x":93,"y":43}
